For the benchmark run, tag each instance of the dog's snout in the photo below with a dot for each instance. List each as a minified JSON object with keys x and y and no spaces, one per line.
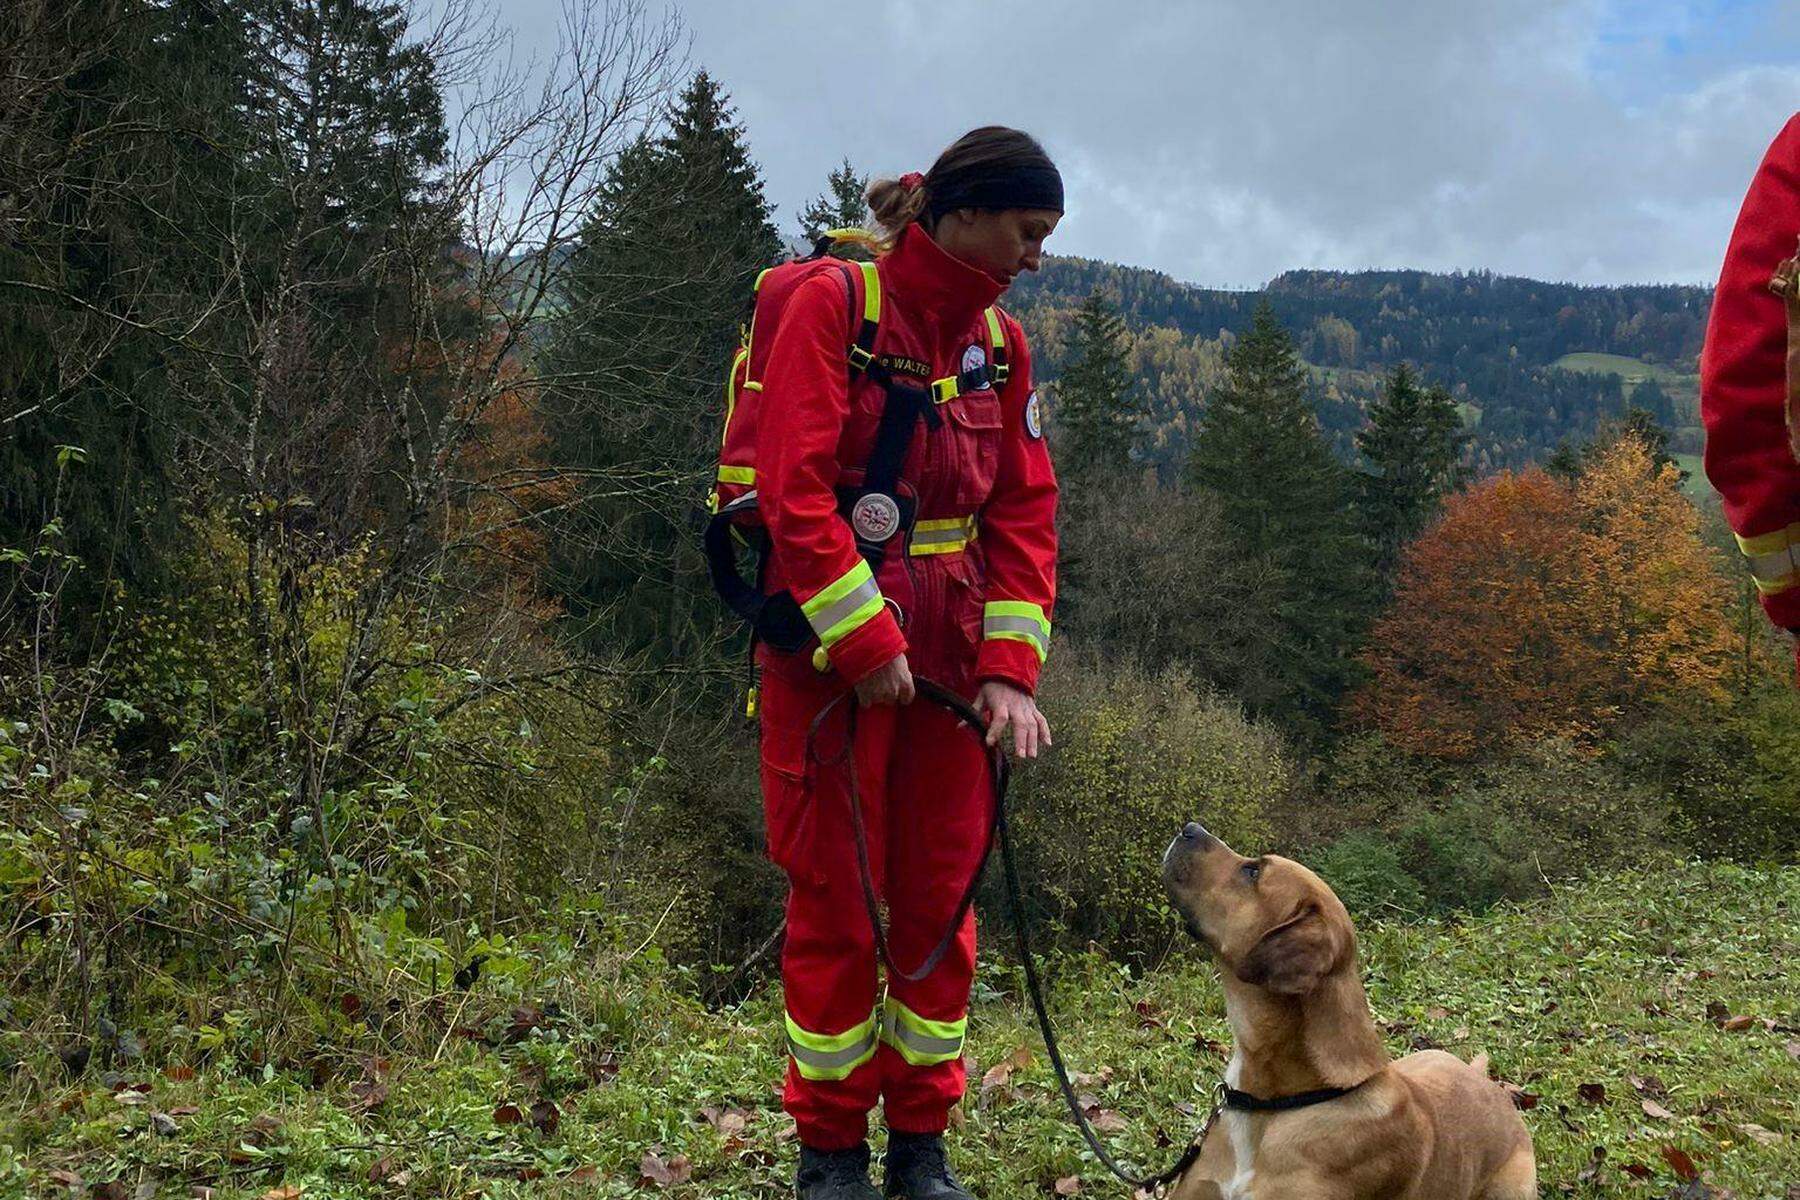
{"x":1193,"y":832}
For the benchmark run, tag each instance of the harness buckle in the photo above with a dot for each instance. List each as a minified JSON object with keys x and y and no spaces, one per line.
{"x":860,"y":358}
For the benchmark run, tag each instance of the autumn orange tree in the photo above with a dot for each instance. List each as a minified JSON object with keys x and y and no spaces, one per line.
{"x":1536,"y":609}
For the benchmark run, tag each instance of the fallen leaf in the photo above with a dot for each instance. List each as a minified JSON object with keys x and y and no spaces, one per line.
{"x":1592,"y":1093}
{"x":1653,"y":1109}
{"x":370,"y":1094}
{"x":545,"y":1117}
{"x":178,"y":1072}
{"x":381,"y":1168}
{"x":202,"y":1192}
{"x":184,"y":1110}
{"x":1737,"y":1024}
{"x":282,"y":1193}
{"x":1105,"y":1120}
{"x":114,"y":1189}
{"x":1793,"y":1049}
{"x":508,"y":1114}
{"x":1679,"y":1162}
{"x":652,"y":1168}
{"x":68,"y":1179}
{"x":130,"y":1098}
{"x":527,"y":1174}
{"x":1716,"y":1012}
{"x":350,"y":1004}
{"x":1636,"y":1170}
{"x":585,"y":1174}
{"x":1522,"y":1099}
{"x":1068,"y":1185}
{"x":164,"y":1124}
{"x":1758,"y":1134}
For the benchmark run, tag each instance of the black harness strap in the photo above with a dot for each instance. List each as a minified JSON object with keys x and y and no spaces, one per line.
{"x":1245,"y":1102}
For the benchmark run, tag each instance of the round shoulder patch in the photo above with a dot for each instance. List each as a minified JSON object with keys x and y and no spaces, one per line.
{"x":974,"y":358}
{"x":1034,"y":416}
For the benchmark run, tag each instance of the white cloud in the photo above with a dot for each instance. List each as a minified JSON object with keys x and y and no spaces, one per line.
{"x":1224,"y":142}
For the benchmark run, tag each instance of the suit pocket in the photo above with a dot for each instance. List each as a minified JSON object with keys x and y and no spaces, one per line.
{"x":975,"y":426}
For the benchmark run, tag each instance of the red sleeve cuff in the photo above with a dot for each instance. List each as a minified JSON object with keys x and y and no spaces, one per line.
{"x":1012,"y":661}
{"x":872,"y":645}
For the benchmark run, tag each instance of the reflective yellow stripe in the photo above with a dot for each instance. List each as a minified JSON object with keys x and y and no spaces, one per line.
{"x":845,"y":606}
{"x":871,"y":292}
{"x":946,"y":535}
{"x":921,"y":1041}
{"x":1018,"y":621}
{"x":1774,"y":559}
{"x":832,"y":1055}
{"x":996,"y":333}
{"x":745,"y":475}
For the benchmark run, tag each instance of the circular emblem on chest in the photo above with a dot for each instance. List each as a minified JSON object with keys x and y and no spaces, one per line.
{"x":974,"y":358}
{"x":1034,"y":416}
{"x":875,"y":517}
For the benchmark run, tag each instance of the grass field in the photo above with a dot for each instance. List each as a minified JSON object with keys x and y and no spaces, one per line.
{"x":1648,"y":1018}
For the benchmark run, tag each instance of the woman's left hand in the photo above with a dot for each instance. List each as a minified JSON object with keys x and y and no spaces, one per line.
{"x":1003,"y":704}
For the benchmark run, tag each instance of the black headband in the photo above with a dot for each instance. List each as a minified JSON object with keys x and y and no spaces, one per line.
{"x":999,"y":188}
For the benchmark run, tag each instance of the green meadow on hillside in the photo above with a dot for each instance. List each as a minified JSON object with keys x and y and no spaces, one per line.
{"x":1647,"y":1021}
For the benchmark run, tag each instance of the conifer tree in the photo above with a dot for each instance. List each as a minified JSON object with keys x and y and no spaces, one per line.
{"x":1284,"y":498}
{"x":1413,"y":446}
{"x":1093,"y":407}
{"x":659,"y":284}
{"x":844,"y":205}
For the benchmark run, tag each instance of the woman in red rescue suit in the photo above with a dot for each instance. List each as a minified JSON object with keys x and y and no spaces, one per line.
{"x":963,"y":597}
{"x":1750,"y":381}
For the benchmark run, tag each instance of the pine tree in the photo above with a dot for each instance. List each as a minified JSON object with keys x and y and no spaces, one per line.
{"x":1284,"y":498}
{"x":1413,"y":447}
{"x":842,"y":206}
{"x":1093,"y":407}
{"x":657,"y":288}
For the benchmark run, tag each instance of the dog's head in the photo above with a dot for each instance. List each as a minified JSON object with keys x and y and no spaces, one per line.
{"x":1271,"y":922}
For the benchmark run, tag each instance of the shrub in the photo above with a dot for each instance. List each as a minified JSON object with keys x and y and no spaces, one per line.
{"x":1731,"y":775}
{"x":1138,"y":754}
{"x":1367,"y":873}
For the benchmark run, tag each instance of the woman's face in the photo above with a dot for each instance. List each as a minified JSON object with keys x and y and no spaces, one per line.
{"x":1001,"y":243}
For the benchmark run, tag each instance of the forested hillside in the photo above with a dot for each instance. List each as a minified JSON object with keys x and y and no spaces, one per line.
{"x":1525,"y":359}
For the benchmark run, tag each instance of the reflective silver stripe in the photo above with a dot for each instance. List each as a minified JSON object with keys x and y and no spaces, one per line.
{"x":922,"y":1045}
{"x":1003,"y":626}
{"x":1775,"y":566}
{"x":931,"y":537}
{"x":833,"y":1060}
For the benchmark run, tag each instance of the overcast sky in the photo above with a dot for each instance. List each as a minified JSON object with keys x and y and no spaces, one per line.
{"x":1224,"y":141}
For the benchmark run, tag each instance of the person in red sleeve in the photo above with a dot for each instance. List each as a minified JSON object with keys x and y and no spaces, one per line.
{"x":1750,"y":381}
{"x":962,"y":594}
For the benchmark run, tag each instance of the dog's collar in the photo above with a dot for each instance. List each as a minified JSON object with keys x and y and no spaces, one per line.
{"x":1245,"y":1102}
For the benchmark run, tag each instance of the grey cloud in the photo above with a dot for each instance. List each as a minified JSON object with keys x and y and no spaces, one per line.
{"x":1225,"y":142}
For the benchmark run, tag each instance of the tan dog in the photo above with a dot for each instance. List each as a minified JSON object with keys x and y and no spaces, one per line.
{"x":1424,"y":1127}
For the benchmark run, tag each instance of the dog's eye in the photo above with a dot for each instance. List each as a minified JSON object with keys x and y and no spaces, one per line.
{"x":1251,"y":871}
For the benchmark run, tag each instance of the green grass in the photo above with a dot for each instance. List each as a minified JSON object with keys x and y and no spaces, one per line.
{"x":1623,"y":983}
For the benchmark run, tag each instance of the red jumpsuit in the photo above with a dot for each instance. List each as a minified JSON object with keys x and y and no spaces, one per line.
{"x":1743,"y":387}
{"x":967,"y":598}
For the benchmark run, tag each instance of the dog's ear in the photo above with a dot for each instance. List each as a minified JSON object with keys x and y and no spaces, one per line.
{"x":1294,"y":957}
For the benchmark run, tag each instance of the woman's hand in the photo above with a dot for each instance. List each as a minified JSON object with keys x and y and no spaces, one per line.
{"x":1003,"y":704}
{"x":889,"y":684}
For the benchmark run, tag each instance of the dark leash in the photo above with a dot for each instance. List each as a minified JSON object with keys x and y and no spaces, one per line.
{"x":999,"y":773}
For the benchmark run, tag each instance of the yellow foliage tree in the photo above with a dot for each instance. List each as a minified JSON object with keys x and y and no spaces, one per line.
{"x":1535,"y":609}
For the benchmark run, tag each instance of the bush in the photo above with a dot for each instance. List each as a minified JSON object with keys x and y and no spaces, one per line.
{"x":1138,"y":754}
{"x":1469,"y":838}
{"x":1366,"y":872}
{"x":1731,"y":775}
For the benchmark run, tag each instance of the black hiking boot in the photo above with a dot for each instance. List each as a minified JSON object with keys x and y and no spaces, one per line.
{"x":917,"y":1169}
{"x":835,"y":1174}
